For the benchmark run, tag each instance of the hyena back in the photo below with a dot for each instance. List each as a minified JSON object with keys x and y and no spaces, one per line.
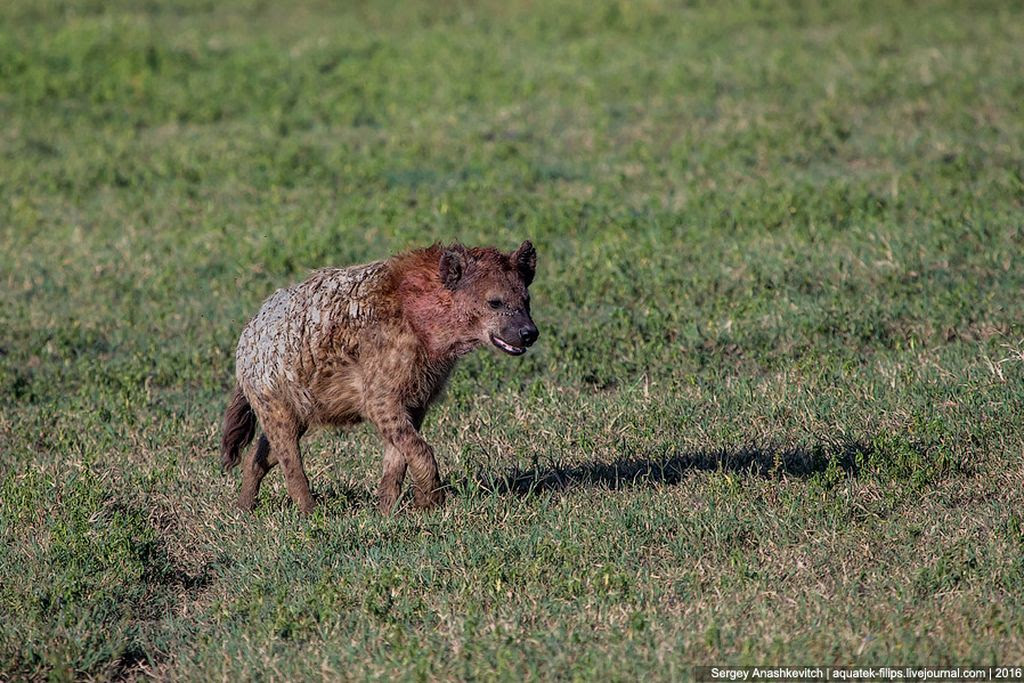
{"x":374,"y":342}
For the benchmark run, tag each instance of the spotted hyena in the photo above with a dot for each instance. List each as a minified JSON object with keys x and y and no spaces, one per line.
{"x":372,"y":342}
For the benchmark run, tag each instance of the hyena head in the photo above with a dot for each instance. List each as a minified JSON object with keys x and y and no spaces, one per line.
{"x":488,"y":290}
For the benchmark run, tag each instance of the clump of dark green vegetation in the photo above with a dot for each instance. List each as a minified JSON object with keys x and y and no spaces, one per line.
{"x":774,"y":415}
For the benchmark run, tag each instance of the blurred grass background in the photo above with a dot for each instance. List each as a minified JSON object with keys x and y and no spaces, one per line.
{"x":773,"y":418}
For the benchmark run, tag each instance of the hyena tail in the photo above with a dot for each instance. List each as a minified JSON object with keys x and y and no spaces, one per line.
{"x":239,"y":428}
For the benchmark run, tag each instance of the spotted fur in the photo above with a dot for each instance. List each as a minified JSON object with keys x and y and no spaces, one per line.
{"x":372,"y":342}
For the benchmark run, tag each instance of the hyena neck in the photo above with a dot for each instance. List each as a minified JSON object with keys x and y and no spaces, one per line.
{"x":427,"y":306}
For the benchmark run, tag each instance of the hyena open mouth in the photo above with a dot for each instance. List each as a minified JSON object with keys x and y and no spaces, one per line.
{"x":506,"y":347}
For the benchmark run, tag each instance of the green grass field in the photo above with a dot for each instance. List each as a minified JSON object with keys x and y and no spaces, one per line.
{"x":774,"y":416}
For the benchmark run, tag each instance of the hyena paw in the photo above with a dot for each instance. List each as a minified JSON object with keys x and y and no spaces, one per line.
{"x":386,"y":502}
{"x":430,"y":498}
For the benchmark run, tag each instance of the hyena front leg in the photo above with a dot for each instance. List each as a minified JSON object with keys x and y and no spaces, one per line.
{"x":400,"y":433}
{"x":395,"y":466}
{"x":391,"y":481}
{"x":254,"y":468}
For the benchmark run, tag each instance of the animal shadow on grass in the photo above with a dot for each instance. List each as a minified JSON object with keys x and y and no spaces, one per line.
{"x":645,"y":471}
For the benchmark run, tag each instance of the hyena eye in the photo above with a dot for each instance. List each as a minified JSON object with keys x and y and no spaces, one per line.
{"x":496,"y":303}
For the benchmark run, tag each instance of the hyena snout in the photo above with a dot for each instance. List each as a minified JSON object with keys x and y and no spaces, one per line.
{"x":516,"y":335}
{"x":528,"y":334}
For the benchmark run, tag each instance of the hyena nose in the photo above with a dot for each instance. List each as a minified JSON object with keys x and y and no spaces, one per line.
{"x":528,"y":334}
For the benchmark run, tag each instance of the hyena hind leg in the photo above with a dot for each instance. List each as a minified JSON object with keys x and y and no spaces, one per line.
{"x":284,"y":442}
{"x":257,"y":463}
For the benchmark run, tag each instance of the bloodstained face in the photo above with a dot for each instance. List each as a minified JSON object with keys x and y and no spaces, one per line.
{"x":489,"y":292}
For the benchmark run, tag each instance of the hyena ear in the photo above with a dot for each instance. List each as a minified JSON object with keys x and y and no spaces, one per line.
{"x":453,"y":265}
{"x":525,"y":258}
